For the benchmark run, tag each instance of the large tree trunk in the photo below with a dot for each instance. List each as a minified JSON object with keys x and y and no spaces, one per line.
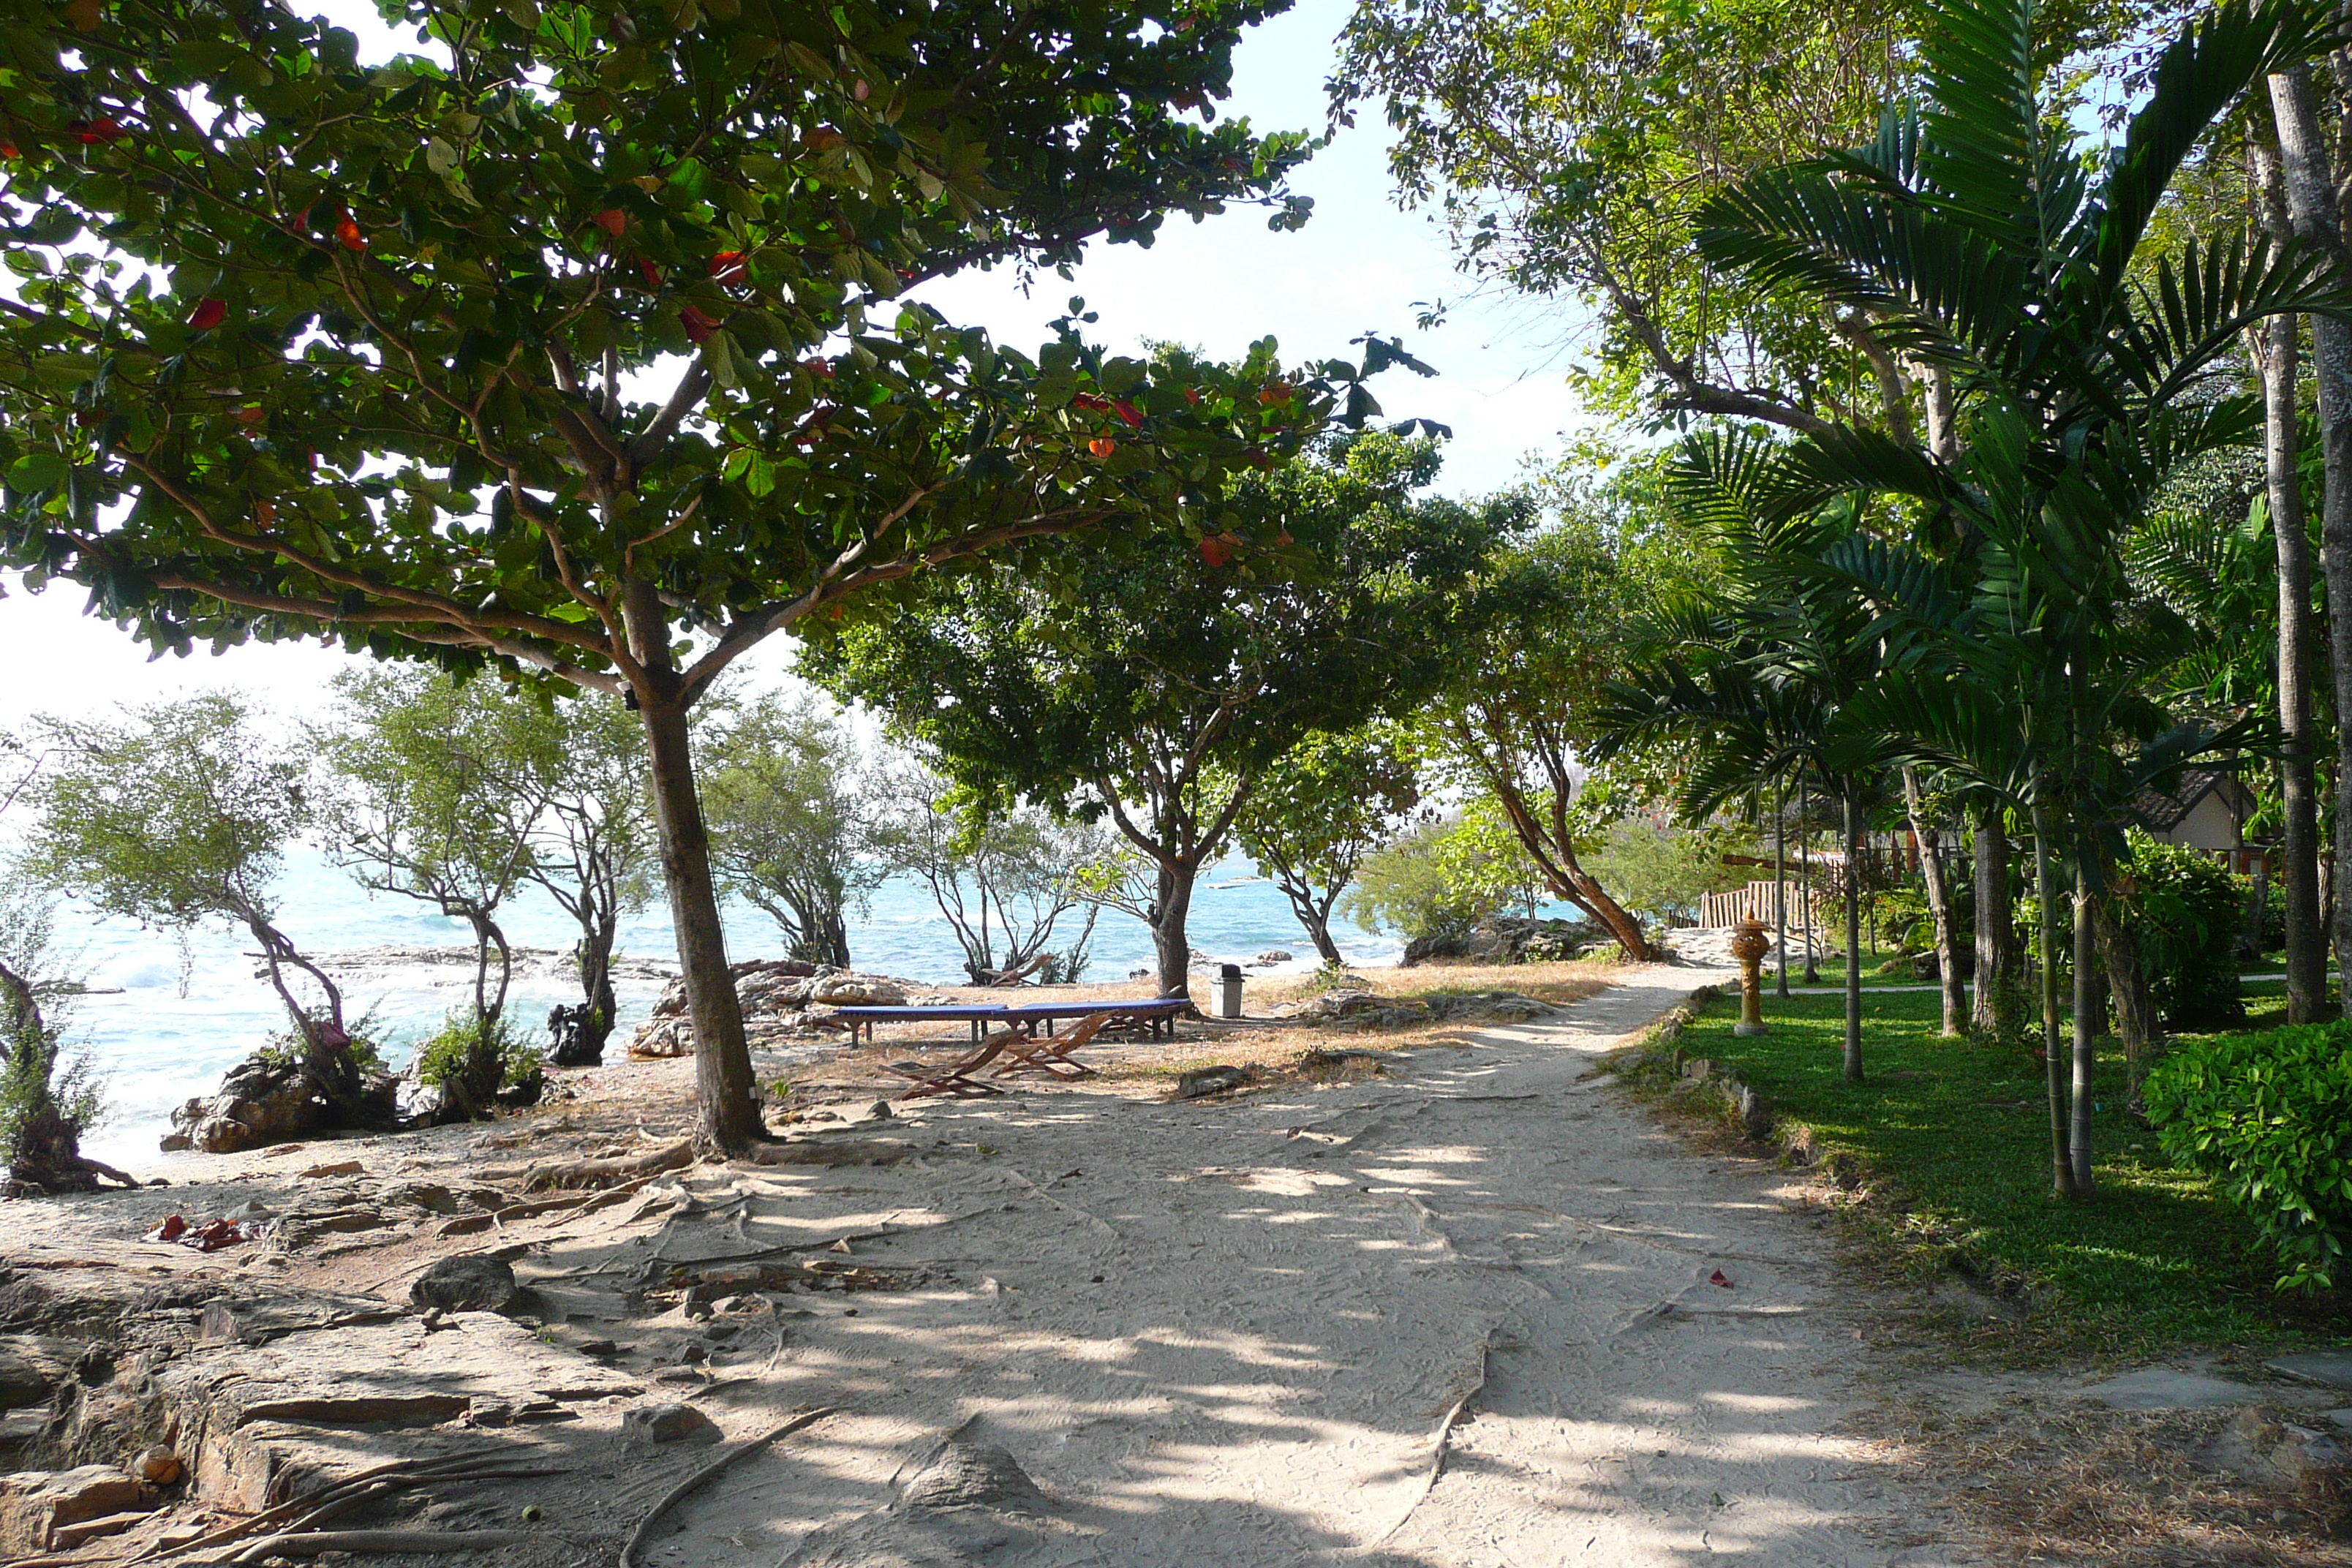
{"x":2086,"y":1036}
{"x":2276,"y":346}
{"x":727,"y":1104}
{"x":1939,"y":904}
{"x":2317,"y":220}
{"x":1853,"y":939}
{"x":1995,"y":1015}
{"x":1172,"y":945}
{"x":2045,"y":889}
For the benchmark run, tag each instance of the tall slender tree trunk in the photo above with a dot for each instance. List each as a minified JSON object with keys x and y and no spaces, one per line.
{"x":1853,"y":937}
{"x":2127,"y":978}
{"x":1939,"y":904}
{"x":1805,"y":885}
{"x":1780,"y":886}
{"x":1995,"y":1012}
{"x":2276,"y":347}
{"x":2045,"y":889}
{"x":2312,"y":208}
{"x":728,"y":1110}
{"x":2087,"y":1019}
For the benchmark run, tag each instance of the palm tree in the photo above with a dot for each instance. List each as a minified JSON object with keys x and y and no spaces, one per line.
{"x":1982,"y":242}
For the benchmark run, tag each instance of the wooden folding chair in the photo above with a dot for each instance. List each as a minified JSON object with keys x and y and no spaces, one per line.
{"x":1051,"y":1055}
{"x":956,"y":1079}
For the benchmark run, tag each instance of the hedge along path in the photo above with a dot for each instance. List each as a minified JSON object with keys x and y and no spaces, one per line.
{"x":1461,"y":1314}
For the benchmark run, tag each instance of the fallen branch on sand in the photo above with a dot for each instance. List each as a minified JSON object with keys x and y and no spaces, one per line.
{"x":470,"y":1224}
{"x":674,"y":1156}
{"x":815,"y":1152}
{"x":480,"y":1464}
{"x":686,"y":1487}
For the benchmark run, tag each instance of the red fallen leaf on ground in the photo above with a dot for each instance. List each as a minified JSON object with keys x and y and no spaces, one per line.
{"x":170,"y":1230}
{"x":652,"y":273}
{"x":349,"y":234}
{"x":1218,"y":549}
{"x":728,"y":267}
{"x":104,"y":130}
{"x":1717,"y":1278}
{"x":1102,"y":446}
{"x":208,"y":314}
{"x":698,"y":327}
{"x":1129,"y":412}
{"x":612,"y":220}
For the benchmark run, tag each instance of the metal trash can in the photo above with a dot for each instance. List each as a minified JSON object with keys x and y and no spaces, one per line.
{"x":1229,"y":991}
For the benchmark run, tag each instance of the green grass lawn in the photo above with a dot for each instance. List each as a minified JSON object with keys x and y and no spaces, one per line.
{"x":1832,"y":969}
{"x":1955,"y":1141}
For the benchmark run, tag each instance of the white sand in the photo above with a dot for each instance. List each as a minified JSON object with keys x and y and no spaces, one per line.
{"x":1295,"y":1289}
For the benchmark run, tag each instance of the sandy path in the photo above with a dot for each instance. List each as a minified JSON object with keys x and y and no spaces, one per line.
{"x":1293,"y":1290}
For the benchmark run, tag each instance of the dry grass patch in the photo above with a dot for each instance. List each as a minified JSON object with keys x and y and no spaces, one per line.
{"x":1559,"y":984}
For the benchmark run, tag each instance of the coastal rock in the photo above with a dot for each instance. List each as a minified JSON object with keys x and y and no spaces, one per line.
{"x":260,"y":1102}
{"x":466,"y":1284}
{"x":31,"y":1368}
{"x":784,"y":1000}
{"x":669,"y":1424}
{"x":34,"y":1504}
{"x":1501,"y":939}
{"x":1274,"y":956}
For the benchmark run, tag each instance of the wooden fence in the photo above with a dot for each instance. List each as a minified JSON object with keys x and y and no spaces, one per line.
{"x":1755,"y":900}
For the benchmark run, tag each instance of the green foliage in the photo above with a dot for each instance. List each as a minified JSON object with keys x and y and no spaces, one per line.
{"x":176,"y":814}
{"x":791,"y":830}
{"x":48,"y":1099}
{"x":1446,"y":876}
{"x":2186,"y":912}
{"x":471,"y":1060}
{"x":1950,"y":1145}
{"x":1661,"y":871}
{"x":1320,"y":808}
{"x":2269,"y":1116}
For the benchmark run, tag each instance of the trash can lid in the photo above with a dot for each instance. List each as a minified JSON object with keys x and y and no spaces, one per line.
{"x":1229,"y":972}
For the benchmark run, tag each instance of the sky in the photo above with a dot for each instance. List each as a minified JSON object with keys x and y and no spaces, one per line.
{"x":1360,"y":265}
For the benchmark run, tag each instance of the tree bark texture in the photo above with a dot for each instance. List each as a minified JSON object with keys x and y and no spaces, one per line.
{"x":2054,"y":1059}
{"x":2276,"y":349}
{"x":1853,"y":938}
{"x":2312,"y":208}
{"x":1780,"y":887}
{"x":1939,"y":904}
{"x":2087,"y":1018}
{"x":2127,"y":981}
{"x":727,"y":1103}
{"x":1996,"y":1007}
{"x":1171,"y":944}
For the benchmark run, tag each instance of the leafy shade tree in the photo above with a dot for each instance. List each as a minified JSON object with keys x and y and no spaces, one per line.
{"x":791,"y":827}
{"x":1541,"y":634}
{"x":1159,"y":690}
{"x":178,"y":816}
{"x":1664,"y":871}
{"x":1004,"y":883}
{"x":423,"y":802}
{"x":1320,"y":810}
{"x":301,"y":346}
{"x":1439,"y":877}
{"x":47,"y":1099}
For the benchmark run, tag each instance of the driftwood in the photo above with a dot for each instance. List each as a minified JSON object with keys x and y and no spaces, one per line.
{"x":684,"y":1488}
{"x":400,"y":1541}
{"x":674,"y":1156}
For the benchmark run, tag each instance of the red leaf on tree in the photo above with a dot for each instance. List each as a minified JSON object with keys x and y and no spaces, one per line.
{"x":1089,"y":400}
{"x":1192,"y":395}
{"x":613,"y":221}
{"x":208,"y":314}
{"x":1219,"y":549}
{"x":698,"y":327}
{"x":349,"y":234}
{"x":728,"y":267}
{"x":1129,"y":412}
{"x":8,"y":150}
{"x":102,"y":131}
{"x":1102,"y":446}
{"x":1273,"y":392}
{"x":652,"y":273}
{"x":823,"y":138}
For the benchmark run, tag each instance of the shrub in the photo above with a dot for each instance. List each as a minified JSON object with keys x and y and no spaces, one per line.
{"x":2269,"y":1116}
{"x":1445,"y":876}
{"x":2186,"y":910}
{"x":472,"y":1060}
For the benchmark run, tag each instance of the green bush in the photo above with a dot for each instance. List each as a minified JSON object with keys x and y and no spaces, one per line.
{"x":2186,"y":910}
{"x":2269,"y":1116}
{"x":471,"y":1062}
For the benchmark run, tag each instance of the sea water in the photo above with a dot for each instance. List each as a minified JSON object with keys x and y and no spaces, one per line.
{"x":168,"y":1018}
